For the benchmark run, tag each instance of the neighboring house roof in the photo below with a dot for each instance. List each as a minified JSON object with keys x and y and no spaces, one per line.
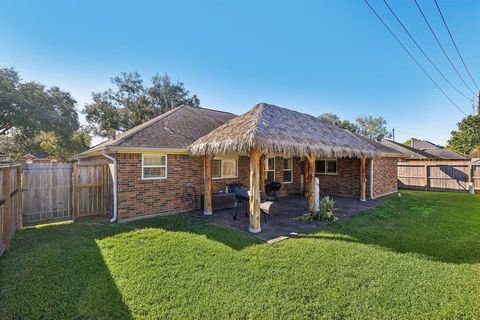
{"x":384,"y":149}
{"x":272,"y":130}
{"x":409,"y":152}
{"x":445,"y":154}
{"x":424,"y":144}
{"x":175,"y":129}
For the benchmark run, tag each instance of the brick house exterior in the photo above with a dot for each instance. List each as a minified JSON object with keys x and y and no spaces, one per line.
{"x":138,"y":197}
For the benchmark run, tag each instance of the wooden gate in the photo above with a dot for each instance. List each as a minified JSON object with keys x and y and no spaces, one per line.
{"x":46,"y":189}
{"x":10,"y":204}
{"x":63,"y":191}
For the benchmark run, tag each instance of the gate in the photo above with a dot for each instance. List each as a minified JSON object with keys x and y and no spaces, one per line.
{"x":46,"y":193}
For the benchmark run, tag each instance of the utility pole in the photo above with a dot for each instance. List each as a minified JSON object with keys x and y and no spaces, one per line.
{"x":478,"y":104}
{"x":393,"y":133}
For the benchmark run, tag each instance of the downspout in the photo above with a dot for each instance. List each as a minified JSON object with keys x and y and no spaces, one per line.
{"x":371,"y":179}
{"x":115,"y":184}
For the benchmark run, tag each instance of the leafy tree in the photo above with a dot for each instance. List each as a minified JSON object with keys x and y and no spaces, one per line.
{"x":345,"y":124}
{"x":130,"y":103}
{"x":32,"y":114}
{"x":372,"y":127}
{"x":467,"y":137}
{"x":409,"y":141}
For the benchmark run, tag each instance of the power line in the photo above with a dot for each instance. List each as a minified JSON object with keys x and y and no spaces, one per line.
{"x":441,"y":47}
{"x":413,"y":58}
{"x":455,"y":44}
{"x":423,"y":51}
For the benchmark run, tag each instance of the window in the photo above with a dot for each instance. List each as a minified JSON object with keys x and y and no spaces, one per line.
{"x":326,"y":166}
{"x":224,"y":168}
{"x":287,"y":170}
{"x":154,"y":166}
{"x":270,"y":169}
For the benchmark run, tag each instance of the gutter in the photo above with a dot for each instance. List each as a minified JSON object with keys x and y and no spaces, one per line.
{"x":115,"y":184}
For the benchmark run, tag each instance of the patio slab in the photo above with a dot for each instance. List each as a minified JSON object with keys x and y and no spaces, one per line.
{"x":283,"y":224}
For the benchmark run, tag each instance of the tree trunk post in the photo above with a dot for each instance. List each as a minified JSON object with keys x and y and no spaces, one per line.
{"x":310,"y":179}
{"x":363,"y":179}
{"x":207,"y":209}
{"x":254,"y":191}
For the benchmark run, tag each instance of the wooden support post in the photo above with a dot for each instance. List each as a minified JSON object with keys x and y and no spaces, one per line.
{"x":19,"y":198}
{"x":6,"y":206}
{"x":305,"y":178}
{"x":262,"y":173}
{"x":207,"y":201}
{"x":310,"y":178}
{"x":426,"y":177}
{"x":363,"y":179}
{"x":75,"y":202}
{"x":254,"y":191}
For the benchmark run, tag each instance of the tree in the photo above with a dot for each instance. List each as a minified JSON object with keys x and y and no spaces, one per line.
{"x":34,"y":117}
{"x":409,"y":141}
{"x":344,"y":124}
{"x":467,"y":137}
{"x":372,"y":127}
{"x":30,"y":107}
{"x":130,"y":103}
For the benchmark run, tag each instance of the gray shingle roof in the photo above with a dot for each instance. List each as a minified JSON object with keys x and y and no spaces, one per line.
{"x":424,"y":144}
{"x":409,"y":152}
{"x":175,"y":129}
{"x":445,"y":154}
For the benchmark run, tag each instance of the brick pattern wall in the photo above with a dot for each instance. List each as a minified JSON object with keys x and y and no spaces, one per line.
{"x":137,"y":197}
{"x":384,"y":176}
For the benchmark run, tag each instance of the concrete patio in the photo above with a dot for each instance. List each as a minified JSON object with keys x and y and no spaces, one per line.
{"x":284,"y":224}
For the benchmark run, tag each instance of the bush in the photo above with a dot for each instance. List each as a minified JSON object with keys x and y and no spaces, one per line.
{"x":325,"y":212}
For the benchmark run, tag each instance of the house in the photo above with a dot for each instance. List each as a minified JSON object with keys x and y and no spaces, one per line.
{"x":204,"y":149}
{"x":424,"y":150}
{"x":38,"y":157}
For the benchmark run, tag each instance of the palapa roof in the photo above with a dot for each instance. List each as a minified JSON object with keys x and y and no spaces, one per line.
{"x":276,"y":130}
{"x":175,"y":129}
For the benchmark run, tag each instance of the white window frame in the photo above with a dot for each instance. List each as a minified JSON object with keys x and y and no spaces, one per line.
{"x":221,"y":169}
{"x":327,"y":173}
{"x":291,"y":171}
{"x":154,"y":166}
{"x":267,"y":168}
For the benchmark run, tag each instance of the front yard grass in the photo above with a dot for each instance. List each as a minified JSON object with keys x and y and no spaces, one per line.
{"x":417,"y":256}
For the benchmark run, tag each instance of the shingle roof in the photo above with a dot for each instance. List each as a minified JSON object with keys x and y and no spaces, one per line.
{"x":175,"y":129}
{"x":424,"y":144}
{"x":445,"y":154}
{"x":276,"y":130}
{"x":409,"y":152}
{"x":382,"y":148}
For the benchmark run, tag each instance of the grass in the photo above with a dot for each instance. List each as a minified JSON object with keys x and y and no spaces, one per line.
{"x":417,"y":256}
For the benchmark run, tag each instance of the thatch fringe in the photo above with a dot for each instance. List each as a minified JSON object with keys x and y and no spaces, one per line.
{"x":276,"y":130}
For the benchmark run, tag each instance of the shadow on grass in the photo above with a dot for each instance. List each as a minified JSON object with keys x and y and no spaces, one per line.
{"x":58,"y":272}
{"x":440,"y":227}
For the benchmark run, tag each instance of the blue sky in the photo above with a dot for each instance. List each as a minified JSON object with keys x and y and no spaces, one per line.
{"x":312,"y":56}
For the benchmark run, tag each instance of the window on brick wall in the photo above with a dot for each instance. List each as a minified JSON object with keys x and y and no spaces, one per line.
{"x":224,"y":168}
{"x":287,"y":170}
{"x":270,"y":169}
{"x":154,"y":166}
{"x":326,"y":166}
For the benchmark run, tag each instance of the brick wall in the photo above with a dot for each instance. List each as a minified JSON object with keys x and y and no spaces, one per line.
{"x":384,"y":176}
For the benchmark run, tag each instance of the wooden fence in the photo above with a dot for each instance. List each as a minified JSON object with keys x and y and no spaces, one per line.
{"x":439,"y":175}
{"x":42,"y":193}
{"x":10,"y":204}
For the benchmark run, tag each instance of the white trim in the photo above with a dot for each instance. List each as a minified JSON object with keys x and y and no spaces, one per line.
{"x":291,"y":171}
{"x":155,"y":166}
{"x":221,"y":168}
{"x":327,"y":173}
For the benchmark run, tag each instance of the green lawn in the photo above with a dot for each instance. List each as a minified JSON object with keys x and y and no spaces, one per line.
{"x":417,"y":256}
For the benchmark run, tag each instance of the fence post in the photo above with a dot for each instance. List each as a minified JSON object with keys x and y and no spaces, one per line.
{"x":6,"y":206}
{"x":19,"y":198}
{"x":426,"y":177}
{"x":75,"y":192}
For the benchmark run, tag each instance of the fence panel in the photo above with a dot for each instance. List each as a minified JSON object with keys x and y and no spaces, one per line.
{"x":438,"y":175}
{"x":91,"y":191}
{"x":46,"y":191}
{"x":9,"y":204}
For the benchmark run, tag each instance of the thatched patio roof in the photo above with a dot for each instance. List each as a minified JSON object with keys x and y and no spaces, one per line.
{"x":276,"y":130}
